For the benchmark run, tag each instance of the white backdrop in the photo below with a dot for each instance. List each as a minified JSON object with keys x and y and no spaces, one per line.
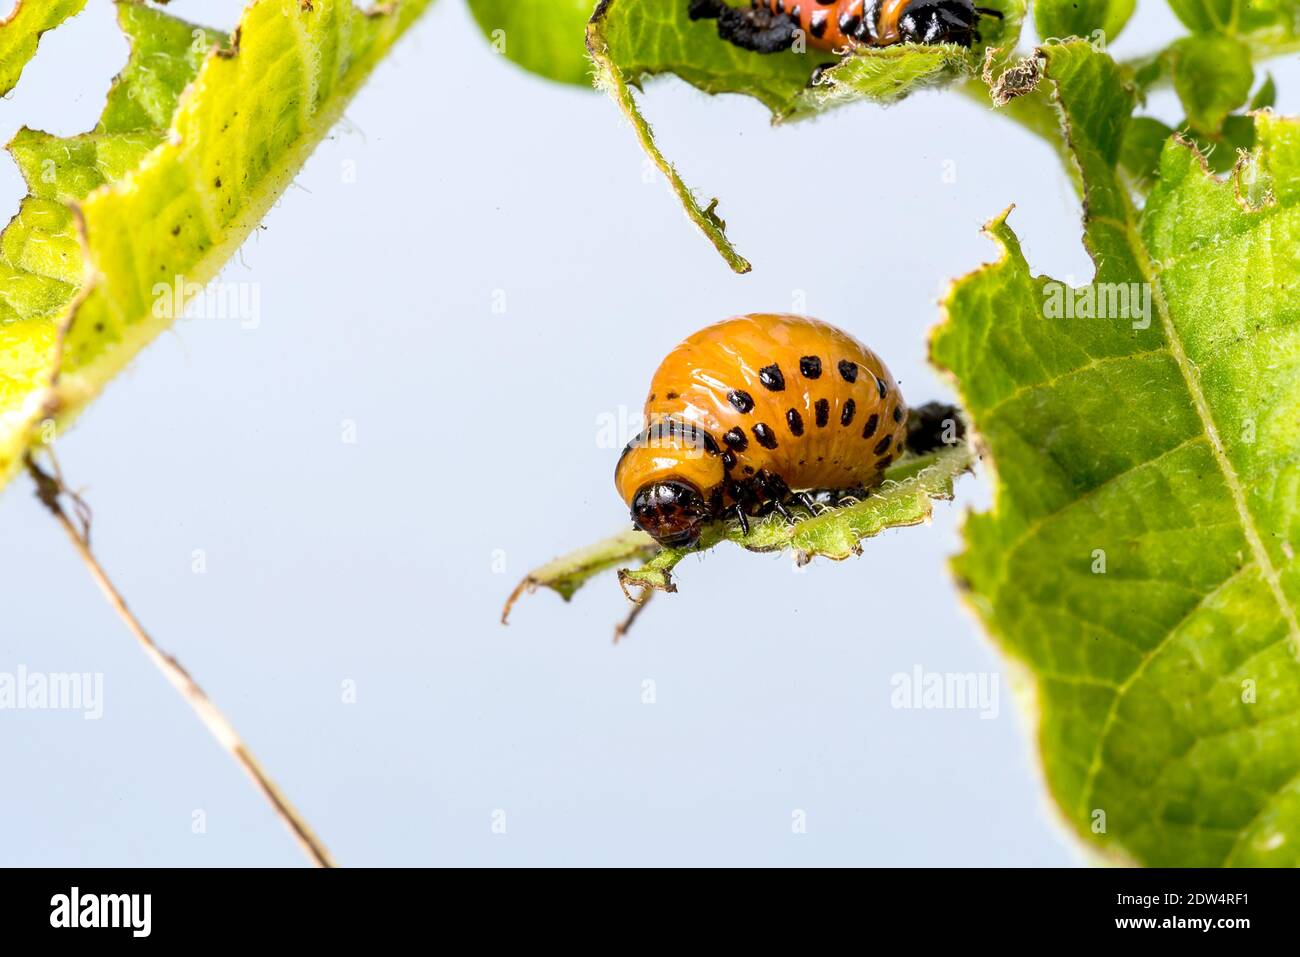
{"x":457,"y":185}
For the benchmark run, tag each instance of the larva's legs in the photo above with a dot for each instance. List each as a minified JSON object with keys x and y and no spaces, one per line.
{"x":741,"y":518}
{"x":774,"y":491}
{"x":832,"y":497}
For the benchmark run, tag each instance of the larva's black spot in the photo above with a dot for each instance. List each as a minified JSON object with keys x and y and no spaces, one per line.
{"x":771,"y":378}
{"x":898,"y":413}
{"x":810,"y":367}
{"x":882,"y":445}
{"x":652,"y":397}
{"x":881,"y":387}
{"x":765,"y":436}
{"x":884,"y":463}
{"x":728,"y":460}
{"x":869,"y":429}
{"x":736,"y":439}
{"x":749,"y":470}
{"x":671,"y":395}
{"x":846,"y":413}
{"x":817,"y":23}
{"x":795,"y":421}
{"x":849,"y":370}
{"x":822,"y":409}
{"x":741,"y":400}
{"x":710,"y":443}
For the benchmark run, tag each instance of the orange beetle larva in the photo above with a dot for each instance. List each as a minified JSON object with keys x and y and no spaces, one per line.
{"x":771,"y":26}
{"x":753,"y":411}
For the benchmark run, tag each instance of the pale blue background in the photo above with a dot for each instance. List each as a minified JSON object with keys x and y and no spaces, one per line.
{"x":374,"y":562}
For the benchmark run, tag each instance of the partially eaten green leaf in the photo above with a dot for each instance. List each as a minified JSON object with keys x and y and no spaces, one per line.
{"x":124,"y":225}
{"x":20,"y":33}
{"x":1145,"y":435}
{"x":905,"y":498}
{"x":566,"y":574}
{"x":632,"y":39}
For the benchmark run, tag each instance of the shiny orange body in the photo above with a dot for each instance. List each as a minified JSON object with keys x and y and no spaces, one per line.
{"x":763,"y":397}
{"x":833,"y":24}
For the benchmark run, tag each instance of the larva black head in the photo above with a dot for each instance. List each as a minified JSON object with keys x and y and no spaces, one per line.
{"x":939,"y":21}
{"x":671,"y":512}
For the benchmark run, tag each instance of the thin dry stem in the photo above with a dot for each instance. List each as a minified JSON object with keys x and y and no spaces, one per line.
{"x":49,"y":489}
{"x":623,"y":627}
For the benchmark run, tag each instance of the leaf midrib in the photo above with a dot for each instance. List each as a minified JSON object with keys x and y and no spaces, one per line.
{"x":1232,"y":481}
{"x":1192,"y":380}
